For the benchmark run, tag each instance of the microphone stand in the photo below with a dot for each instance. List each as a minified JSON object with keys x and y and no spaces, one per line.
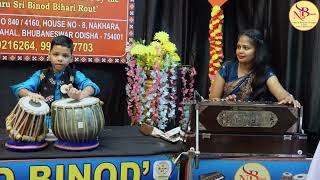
{"x":300,"y":121}
{"x":193,"y":153}
{"x":197,"y":152}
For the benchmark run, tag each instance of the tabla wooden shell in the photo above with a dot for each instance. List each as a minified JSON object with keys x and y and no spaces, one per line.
{"x":77,"y":121}
{"x":26,"y":121}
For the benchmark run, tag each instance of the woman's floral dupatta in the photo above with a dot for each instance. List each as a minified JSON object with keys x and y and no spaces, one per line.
{"x":241,"y":87}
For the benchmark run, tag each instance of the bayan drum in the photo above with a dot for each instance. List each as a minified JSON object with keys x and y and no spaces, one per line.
{"x":77,"y":123}
{"x":25,"y":125}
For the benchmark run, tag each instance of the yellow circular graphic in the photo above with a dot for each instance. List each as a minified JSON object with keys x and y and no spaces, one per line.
{"x":162,"y":168}
{"x":252,"y":171}
{"x":304,"y":15}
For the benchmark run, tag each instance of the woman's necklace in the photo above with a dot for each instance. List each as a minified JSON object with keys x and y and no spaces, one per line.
{"x":242,"y":71}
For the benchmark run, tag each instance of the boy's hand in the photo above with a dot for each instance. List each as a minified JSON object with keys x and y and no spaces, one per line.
{"x":35,"y":97}
{"x":74,"y":93}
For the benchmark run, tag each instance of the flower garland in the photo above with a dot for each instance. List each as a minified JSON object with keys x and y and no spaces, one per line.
{"x":215,"y":40}
{"x":152,"y":97}
{"x":156,"y":105}
{"x":192,"y":75}
{"x":165,"y":96}
{"x":187,"y":92}
{"x":173,"y":91}
{"x":136,"y":78}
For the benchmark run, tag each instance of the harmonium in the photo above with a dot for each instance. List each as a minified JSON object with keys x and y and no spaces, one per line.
{"x":247,"y":129}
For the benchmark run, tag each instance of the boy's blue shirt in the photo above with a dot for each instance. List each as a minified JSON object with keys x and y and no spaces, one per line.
{"x":32,"y":84}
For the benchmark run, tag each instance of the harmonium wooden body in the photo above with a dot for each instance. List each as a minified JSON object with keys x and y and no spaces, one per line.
{"x":247,"y":129}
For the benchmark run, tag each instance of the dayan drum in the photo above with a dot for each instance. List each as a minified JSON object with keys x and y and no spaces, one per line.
{"x":77,"y":124}
{"x":25,"y":125}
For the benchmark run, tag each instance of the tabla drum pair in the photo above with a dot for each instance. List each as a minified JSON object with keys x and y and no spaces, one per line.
{"x":25,"y":125}
{"x":77,"y":123}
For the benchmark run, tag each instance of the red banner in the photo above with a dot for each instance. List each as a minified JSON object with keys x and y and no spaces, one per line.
{"x":100,"y":29}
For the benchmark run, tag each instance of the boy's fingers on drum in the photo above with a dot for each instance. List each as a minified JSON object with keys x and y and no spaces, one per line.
{"x":69,"y":87}
{"x":69,"y":93}
{"x":34,"y":99}
{"x":41,"y":97}
{"x":75,"y":91}
{"x":71,"y":90}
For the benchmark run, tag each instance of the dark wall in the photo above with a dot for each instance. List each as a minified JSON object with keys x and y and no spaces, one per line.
{"x":110,"y":78}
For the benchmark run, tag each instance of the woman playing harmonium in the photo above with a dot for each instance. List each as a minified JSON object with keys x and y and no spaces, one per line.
{"x":249,"y":78}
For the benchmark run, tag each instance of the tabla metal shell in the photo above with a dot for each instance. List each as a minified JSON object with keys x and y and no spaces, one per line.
{"x":25,"y":122}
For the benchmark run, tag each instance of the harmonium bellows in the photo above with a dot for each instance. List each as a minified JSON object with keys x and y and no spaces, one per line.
{"x":247,"y":118}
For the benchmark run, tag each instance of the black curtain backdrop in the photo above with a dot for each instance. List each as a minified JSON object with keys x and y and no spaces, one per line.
{"x":294,"y":54}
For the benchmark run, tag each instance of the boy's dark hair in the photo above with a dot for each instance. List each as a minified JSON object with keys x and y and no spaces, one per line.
{"x":62,"y":41}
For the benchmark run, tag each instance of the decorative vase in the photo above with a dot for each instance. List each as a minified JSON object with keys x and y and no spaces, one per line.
{"x":146,"y":129}
{"x":148,"y":82}
{"x":147,"y":86}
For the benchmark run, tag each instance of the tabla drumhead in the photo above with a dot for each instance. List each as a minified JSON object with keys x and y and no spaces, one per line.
{"x":38,"y":108}
{"x":72,"y":103}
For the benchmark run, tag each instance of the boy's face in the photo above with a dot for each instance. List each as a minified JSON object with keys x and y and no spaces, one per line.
{"x":60,"y":57}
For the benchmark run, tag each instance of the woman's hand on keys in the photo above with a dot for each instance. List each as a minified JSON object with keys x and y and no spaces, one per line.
{"x":289,"y":99}
{"x":231,"y":97}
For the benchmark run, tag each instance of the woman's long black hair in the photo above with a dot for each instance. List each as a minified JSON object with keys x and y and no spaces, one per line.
{"x":260,"y":63}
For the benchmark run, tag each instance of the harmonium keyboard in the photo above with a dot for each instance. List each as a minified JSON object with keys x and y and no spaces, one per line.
{"x":247,"y":129}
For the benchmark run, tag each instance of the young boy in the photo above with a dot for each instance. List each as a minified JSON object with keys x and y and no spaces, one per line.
{"x":45,"y":84}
